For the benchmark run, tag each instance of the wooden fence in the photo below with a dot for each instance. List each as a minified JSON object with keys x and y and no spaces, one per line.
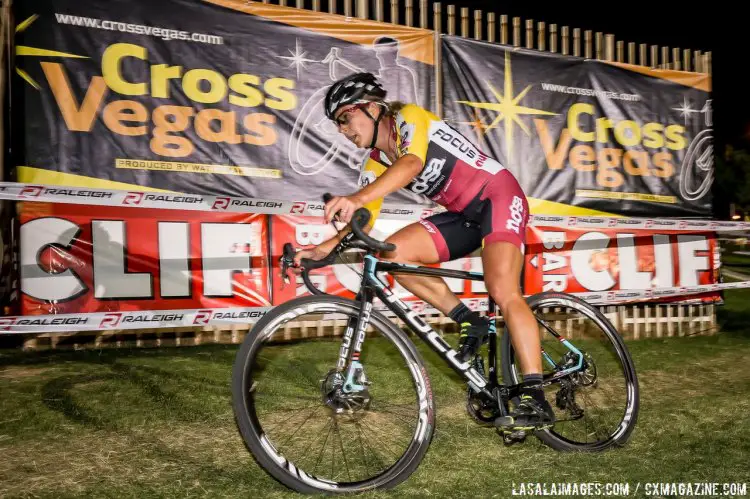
{"x":633,"y":321}
{"x":515,"y":31}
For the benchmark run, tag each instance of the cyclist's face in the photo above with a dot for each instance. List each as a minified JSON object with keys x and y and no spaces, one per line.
{"x":355,"y":124}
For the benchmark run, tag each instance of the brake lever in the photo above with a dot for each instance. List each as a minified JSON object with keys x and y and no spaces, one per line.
{"x":286,"y":262}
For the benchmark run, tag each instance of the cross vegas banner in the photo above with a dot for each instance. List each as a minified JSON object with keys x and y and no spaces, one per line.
{"x":604,"y":137}
{"x":225,"y":98}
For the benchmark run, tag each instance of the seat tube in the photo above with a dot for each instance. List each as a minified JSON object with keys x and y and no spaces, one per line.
{"x":492,"y":344}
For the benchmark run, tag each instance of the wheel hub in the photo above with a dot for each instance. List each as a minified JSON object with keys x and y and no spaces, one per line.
{"x":331,"y":389}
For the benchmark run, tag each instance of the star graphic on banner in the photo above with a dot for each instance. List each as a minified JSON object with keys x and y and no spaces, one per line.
{"x":479,"y":126}
{"x":297,"y":57}
{"x":686,"y":110}
{"x":507,"y":107}
{"x":22,"y":50}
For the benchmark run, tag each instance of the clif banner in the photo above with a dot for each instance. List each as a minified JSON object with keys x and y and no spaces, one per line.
{"x":219,"y":97}
{"x":580,"y":260}
{"x":344,"y":277}
{"x":73,"y":259}
{"x":584,"y":136}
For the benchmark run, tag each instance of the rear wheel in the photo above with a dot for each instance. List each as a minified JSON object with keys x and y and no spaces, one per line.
{"x":594,"y":390}
{"x":310,"y":427}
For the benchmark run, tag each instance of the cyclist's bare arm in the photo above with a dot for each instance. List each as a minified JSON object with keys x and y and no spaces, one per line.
{"x":398,"y":175}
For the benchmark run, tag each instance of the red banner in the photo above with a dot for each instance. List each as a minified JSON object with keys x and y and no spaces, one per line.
{"x":589,"y":260}
{"x":76,"y":259}
{"x":81,"y":259}
{"x":344,"y":277}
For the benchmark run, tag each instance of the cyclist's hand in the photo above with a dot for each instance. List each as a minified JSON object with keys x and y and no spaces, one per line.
{"x":345,"y":206}
{"x":312,"y":253}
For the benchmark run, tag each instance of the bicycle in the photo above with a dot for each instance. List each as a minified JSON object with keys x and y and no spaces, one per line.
{"x":271,"y":415}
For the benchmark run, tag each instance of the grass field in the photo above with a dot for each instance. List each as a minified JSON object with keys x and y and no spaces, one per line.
{"x":159,"y":423}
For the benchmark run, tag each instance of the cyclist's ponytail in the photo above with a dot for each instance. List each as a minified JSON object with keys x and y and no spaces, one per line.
{"x":393,"y":108}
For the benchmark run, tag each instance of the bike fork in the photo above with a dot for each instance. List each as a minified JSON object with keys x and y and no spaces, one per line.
{"x":351,"y":346}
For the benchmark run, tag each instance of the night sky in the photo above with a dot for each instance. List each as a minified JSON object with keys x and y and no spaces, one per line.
{"x":713,"y":26}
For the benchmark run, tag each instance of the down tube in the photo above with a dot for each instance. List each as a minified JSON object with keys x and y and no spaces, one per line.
{"x":430,"y":336}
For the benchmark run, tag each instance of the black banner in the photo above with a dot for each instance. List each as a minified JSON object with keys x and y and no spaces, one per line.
{"x":591,"y":135}
{"x":206,"y":98}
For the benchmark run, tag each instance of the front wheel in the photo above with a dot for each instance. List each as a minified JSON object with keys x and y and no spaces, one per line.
{"x":309,"y":425}
{"x":590,"y":378}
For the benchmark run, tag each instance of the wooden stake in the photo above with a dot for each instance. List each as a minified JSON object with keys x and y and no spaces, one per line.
{"x":529,"y":33}
{"x":553,"y":38}
{"x":541,"y":40}
{"x":451,"y":19}
{"x":465,"y":22}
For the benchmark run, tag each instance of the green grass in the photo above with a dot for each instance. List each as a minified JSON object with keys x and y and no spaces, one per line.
{"x":159,"y":423}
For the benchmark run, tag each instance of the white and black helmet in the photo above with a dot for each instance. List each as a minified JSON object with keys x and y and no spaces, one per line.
{"x":354,"y":88}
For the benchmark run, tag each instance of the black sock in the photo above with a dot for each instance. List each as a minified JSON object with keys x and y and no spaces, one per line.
{"x":462,"y":313}
{"x":532,"y":379}
{"x":532,"y":385}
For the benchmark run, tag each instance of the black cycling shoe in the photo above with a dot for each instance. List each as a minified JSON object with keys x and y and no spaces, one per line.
{"x":529,"y":414}
{"x":472,"y":337}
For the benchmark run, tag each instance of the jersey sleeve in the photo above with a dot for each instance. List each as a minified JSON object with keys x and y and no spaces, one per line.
{"x":371,"y":170}
{"x":413,"y":124}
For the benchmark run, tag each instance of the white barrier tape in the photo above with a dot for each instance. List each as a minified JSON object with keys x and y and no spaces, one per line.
{"x":637,"y":223}
{"x":618,"y":297}
{"x":137,"y":319}
{"x":146,"y":319}
{"x":175,"y":201}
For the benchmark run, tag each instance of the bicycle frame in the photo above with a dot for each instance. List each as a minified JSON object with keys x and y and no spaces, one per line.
{"x":372,"y":286}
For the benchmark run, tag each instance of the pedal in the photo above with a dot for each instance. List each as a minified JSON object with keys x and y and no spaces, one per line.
{"x":514,"y":437}
{"x":507,"y":424}
{"x":503,"y":422}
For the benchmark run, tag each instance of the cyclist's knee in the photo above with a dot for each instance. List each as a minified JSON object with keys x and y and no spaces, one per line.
{"x":505,"y":295}
{"x":503,"y":286}
{"x":413,"y":245}
{"x":403,"y":251}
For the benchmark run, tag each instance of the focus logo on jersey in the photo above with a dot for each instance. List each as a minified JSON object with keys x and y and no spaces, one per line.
{"x":516,"y":215}
{"x":429,"y":175}
{"x":462,"y":149}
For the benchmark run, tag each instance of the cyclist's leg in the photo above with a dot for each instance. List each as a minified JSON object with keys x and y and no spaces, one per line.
{"x":504,"y":216}
{"x":502,"y":262}
{"x":427,"y":242}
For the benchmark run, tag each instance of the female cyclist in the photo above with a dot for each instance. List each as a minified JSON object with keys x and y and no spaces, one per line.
{"x":485,"y":207}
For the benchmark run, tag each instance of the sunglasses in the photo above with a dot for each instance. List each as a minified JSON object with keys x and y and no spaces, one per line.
{"x":345,"y":115}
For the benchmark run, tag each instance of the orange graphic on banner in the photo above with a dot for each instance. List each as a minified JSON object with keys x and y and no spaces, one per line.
{"x":698,"y":81}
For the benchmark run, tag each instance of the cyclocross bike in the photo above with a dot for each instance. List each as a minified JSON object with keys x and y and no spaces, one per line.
{"x":333,"y":413}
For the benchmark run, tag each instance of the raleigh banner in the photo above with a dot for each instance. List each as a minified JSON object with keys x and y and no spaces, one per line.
{"x":585,"y":136}
{"x":222,"y":97}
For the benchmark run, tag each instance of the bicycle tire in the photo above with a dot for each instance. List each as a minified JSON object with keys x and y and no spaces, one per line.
{"x":261,"y":448}
{"x":630,"y":415}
